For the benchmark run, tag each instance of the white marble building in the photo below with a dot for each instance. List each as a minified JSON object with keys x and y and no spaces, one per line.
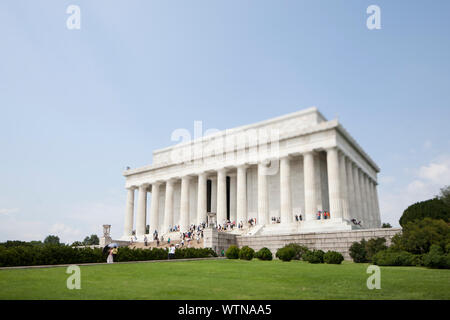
{"x":296,"y":164}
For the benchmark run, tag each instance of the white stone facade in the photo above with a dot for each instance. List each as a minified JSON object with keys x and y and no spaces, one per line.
{"x":291,"y":165}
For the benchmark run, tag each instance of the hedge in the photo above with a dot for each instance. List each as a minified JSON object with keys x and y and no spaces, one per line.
{"x":286,"y":253}
{"x":391,"y":257}
{"x":246,"y":253}
{"x":300,"y":250}
{"x":264,"y":254}
{"x":315,"y":256}
{"x":333,"y":257}
{"x":232,"y":252}
{"x":62,"y":254}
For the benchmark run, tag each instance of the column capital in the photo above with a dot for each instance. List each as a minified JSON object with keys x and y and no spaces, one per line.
{"x":132,"y":188}
{"x":310,"y":152}
{"x":331,"y":148}
{"x":288,"y":157}
{"x":186,"y":177}
{"x":171,"y":181}
{"x":143,"y":186}
{"x":242,"y":166}
{"x":222,"y":170}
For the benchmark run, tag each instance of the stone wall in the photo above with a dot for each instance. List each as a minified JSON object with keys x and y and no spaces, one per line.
{"x":218,"y":240}
{"x":337,"y":241}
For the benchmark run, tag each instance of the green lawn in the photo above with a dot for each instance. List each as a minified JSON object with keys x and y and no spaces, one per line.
{"x":226,"y":279}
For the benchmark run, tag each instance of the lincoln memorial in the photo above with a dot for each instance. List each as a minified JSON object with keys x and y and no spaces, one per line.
{"x":296,"y":173}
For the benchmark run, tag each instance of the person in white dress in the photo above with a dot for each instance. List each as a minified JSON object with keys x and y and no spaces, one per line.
{"x":110,"y":256}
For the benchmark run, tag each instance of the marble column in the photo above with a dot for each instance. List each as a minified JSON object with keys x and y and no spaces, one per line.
{"x":263,"y":196}
{"x":351,"y":190}
{"x":201,"y":198}
{"x":233,"y":198}
{"x":310,"y":186}
{"x":184,"y":204}
{"x":358,"y":198}
{"x":213,"y":194}
{"x":154,"y":208}
{"x":285,"y":190}
{"x":168,"y":206}
{"x":369,"y":202}
{"x":221,"y":196}
{"x":334,"y":183}
{"x":241,"y":191}
{"x":372,"y":204}
{"x":344,"y":193}
{"x":128,"y":225}
{"x":365,"y":212}
{"x":141,"y":211}
{"x":377,"y":206}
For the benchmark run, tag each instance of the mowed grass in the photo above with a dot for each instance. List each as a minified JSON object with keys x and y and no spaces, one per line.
{"x":226,"y":279}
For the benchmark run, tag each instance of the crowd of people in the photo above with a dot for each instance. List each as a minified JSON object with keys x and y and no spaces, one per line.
{"x":226,"y":225}
{"x":195,"y":232}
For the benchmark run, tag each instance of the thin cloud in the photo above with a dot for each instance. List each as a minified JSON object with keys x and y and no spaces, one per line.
{"x":8,"y":211}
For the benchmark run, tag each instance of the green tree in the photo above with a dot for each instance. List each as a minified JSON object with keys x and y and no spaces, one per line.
{"x":358,"y":251}
{"x":445,"y":195}
{"x":373,"y":246}
{"x":435,"y":208}
{"x":418,"y":236}
{"x":50,"y":239}
{"x":92,"y":240}
{"x":386,"y":225}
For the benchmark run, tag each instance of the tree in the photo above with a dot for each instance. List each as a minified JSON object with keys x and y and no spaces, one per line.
{"x":386,"y":225}
{"x":358,"y":251}
{"x":50,"y":239}
{"x":445,"y":195}
{"x":92,"y":240}
{"x":418,"y":236}
{"x":434,"y":208}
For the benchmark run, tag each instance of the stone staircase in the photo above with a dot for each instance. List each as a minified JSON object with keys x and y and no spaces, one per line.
{"x":254,"y":230}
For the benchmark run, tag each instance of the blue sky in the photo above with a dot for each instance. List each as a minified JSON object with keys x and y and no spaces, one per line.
{"x":77,"y":106}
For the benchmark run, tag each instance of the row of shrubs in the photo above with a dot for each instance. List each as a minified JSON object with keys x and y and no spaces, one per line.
{"x":247,"y":253}
{"x":286,"y":253}
{"x":366,"y":251}
{"x":62,"y":254}
{"x":295,"y":251}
